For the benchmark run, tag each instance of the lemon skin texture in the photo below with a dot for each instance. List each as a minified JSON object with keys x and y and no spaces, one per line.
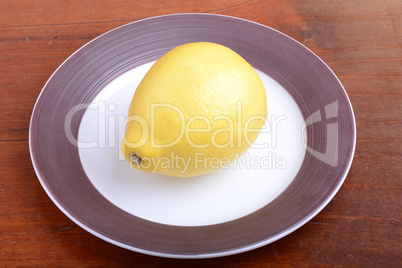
{"x":201,"y":105}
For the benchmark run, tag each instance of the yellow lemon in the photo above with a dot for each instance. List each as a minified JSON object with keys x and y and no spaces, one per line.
{"x":197,"y":109}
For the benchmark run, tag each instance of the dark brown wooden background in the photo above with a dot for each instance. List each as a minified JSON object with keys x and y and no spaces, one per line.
{"x":360,"y":40}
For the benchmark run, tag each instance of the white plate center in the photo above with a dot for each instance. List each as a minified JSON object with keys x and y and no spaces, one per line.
{"x":247,"y":185}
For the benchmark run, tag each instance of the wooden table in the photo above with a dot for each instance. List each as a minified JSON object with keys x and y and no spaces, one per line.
{"x":360,"y":40}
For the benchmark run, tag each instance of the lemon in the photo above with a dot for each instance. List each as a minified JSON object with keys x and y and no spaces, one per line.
{"x":198,"y":108}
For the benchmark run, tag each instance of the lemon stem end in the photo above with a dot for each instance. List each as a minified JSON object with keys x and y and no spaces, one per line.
{"x":135,"y":159}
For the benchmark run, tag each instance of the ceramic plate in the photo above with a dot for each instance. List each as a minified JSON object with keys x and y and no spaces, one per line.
{"x":296,"y":166}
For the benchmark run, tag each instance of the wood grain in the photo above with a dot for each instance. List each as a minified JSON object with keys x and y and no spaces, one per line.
{"x":360,"y":40}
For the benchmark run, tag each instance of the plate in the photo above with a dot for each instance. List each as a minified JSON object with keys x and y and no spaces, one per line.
{"x":76,"y":179}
